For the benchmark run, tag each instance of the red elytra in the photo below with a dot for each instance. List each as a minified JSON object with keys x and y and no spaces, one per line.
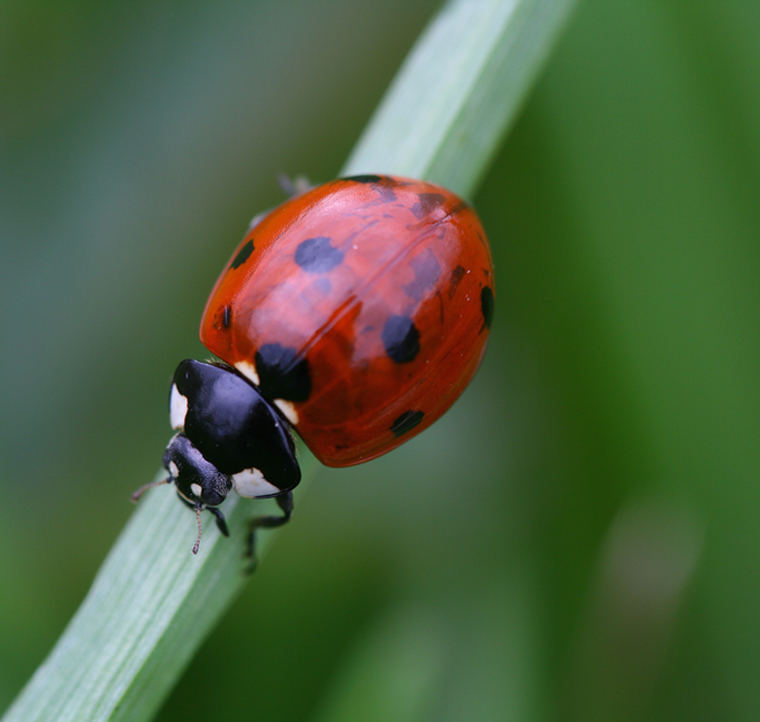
{"x":375,"y":293}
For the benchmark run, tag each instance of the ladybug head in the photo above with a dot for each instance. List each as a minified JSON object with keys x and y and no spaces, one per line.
{"x":198,"y":481}
{"x":229,"y":437}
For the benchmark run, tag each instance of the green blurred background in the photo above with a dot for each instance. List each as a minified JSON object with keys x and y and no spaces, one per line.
{"x":578,"y":538}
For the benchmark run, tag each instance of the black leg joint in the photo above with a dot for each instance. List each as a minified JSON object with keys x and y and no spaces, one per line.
{"x":285,"y":502}
{"x":221,"y":522}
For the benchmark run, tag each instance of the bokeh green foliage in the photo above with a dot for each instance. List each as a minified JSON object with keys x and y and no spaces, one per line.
{"x":577,"y":539}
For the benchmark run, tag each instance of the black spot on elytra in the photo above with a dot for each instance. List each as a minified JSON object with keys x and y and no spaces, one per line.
{"x":406,"y":422}
{"x":243,"y":254}
{"x":427,"y":271}
{"x":427,"y":202}
{"x":486,"y":305}
{"x":456,"y":276}
{"x":316,"y":255}
{"x":282,"y":373}
{"x":459,"y":207}
{"x":226,"y":316}
{"x":364,"y":178}
{"x":383,"y":184}
{"x":401,"y":339}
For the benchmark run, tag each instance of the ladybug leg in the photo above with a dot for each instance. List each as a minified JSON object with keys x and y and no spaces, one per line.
{"x":291,"y":187}
{"x":258,"y":217}
{"x":221,"y":522}
{"x":295,"y":186}
{"x":285,"y":502}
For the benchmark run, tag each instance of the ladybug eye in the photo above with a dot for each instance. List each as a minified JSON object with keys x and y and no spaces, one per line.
{"x":197,"y":490}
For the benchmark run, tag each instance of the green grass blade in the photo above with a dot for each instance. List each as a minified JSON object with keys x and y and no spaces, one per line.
{"x":459,"y":90}
{"x":149,"y":608}
{"x":152,"y":604}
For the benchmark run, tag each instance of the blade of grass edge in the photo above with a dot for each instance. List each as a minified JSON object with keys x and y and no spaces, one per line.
{"x":150,"y":606}
{"x":459,"y":90}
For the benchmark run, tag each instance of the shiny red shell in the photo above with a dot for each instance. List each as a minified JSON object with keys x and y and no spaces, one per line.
{"x":376,"y":292}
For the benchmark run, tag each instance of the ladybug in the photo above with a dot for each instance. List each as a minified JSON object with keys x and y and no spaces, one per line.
{"x":355,"y":314}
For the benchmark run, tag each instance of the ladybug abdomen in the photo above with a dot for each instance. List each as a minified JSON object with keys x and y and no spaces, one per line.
{"x":361,"y":309}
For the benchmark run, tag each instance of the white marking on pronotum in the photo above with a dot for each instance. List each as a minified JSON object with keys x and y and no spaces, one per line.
{"x":173,"y":469}
{"x":288,"y":410}
{"x":248,"y":370}
{"x":177,"y":408}
{"x":197,"y":489}
{"x":251,"y":483}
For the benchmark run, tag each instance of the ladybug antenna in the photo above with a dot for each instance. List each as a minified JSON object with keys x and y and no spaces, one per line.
{"x":137,"y":494}
{"x":198,"y":519}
